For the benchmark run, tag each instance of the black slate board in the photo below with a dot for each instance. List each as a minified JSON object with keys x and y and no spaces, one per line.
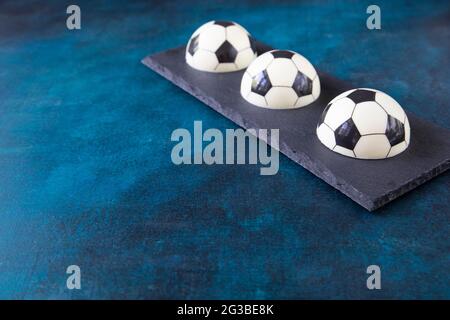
{"x":371,"y":183}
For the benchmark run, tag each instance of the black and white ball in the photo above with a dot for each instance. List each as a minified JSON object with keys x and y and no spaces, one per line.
{"x":364,"y":124}
{"x":280,"y":79}
{"x":220,"y":46}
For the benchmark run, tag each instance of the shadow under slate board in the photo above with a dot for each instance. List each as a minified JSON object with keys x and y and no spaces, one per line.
{"x":371,"y":183}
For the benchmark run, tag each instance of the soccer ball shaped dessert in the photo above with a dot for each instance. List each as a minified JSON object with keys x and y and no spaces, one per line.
{"x":220,"y":46}
{"x":280,"y":79}
{"x":364,"y":124}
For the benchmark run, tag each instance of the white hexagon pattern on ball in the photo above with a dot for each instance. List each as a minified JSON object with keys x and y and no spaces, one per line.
{"x":205,"y":60}
{"x":326,"y":135}
{"x":282,"y":79}
{"x":370,"y":118}
{"x":238,"y":38}
{"x":259,"y":64}
{"x":282,"y":73}
{"x":212,"y":38}
{"x":344,"y":151}
{"x":366,"y":123}
{"x":243,"y":57}
{"x":316,"y":87}
{"x":304,"y":101}
{"x":372,"y":147}
{"x":390,"y":105}
{"x":226,"y":67}
{"x":256,"y":99}
{"x":246,"y":84}
{"x":395,"y":150}
{"x":281,"y":97}
{"x":339,"y":112}
{"x":303,"y":64}
{"x":220,"y":46}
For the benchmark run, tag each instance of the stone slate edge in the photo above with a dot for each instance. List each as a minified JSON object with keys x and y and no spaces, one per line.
{"x":315,"y":167}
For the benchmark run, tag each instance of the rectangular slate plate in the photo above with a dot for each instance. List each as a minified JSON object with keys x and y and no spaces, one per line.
{"x":371,"y":183}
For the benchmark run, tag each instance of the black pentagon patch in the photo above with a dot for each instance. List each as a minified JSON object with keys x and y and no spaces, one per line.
{"x":362,"y":95}
{"x":282,"y":54}
{"x":193,"y":45}
{"x":224,"y":23}
{"x":395,"y":131}
{"x":302,"y":85}
{"x":261,"y":83}
{"x":226,"y":53}
{"x":324,"y":114}
{"x":347,"y":135}
{"x":253,"y":44}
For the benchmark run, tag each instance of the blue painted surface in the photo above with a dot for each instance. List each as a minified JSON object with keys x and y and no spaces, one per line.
{"x":86,"y":176}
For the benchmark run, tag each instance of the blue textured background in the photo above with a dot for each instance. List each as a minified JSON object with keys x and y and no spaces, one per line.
{"x":86,"y":176}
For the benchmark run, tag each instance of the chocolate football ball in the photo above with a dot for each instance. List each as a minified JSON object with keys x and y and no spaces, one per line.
{"x":280,"y":79}
{"x":220,"y":46}
{"x":364,"y":124}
